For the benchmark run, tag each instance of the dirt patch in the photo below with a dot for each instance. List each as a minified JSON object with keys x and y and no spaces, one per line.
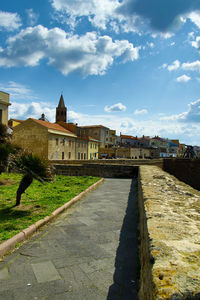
{"x":7,"y":182}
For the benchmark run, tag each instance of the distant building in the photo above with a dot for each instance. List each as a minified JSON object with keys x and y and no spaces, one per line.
{"x":100,"y":133}
{"x":4,"y":103}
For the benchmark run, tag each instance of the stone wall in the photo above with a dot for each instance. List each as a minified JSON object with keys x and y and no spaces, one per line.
{"x":187,"y":170}
{"x":127,"y":162}
{"x":170,"y":236}
{"x":109,"y":171}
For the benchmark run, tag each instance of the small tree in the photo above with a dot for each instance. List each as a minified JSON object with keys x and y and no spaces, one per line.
{"x":33,"y":167}
{"x":5,"y":147}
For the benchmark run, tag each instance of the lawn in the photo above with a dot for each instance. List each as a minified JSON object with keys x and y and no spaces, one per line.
{"x":39,"y":201}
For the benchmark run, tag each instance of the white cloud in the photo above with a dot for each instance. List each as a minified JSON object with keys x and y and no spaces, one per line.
{"x":185,"y":126}
{"x":17,"y":90}
{"x":115,"y":107}
{"x":32,"y":17}
{"x":174,"y":66}
{"x":34,"y":110}
{"x":195,"y":18}
{"x":190,"y":116}
{"x":99,"y":12}
{"x":140,"y":112}
{"x":129,"y":15}
{"x":193,"y":66}
{"x":89,"y":54}
{"x":9,"y":21}
{"x":196,"y":43}
{"x":183,"y":78}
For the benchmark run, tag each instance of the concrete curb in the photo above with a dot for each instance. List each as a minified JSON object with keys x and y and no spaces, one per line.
{"x":9,"y":245}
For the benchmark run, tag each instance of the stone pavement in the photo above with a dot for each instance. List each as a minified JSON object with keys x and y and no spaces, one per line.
{"x":88,"y":253}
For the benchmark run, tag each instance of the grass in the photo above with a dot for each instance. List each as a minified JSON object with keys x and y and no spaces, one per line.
{"x":39,"y":200}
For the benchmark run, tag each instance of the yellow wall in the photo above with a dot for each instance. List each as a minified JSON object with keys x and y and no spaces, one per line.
{"x":4,"y":103}
{"x":81,"y":149}
{"x":93,"y":149}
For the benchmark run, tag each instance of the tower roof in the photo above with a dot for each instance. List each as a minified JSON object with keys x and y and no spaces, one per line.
{"x":61,"y":102}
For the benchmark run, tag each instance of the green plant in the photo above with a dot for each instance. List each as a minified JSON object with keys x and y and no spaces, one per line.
{"x":33,"y":167}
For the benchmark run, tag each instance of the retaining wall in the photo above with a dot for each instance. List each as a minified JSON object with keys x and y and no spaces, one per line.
{"x":187,"y":170}
{"x":127,"y":162}
{"x":108,"y":171}
{"x":170,"y":236}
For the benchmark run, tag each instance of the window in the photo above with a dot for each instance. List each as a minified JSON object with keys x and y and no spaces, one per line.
{"x":69,"y":155}
{"x":56,"y":154}
{"x":84,"y":155}
{"x":63,"y":155}
{"x":56,"y":142}
{"x":79,"y":155}
{"x":91,"y":146}
{"x":69,"y":143}
{"x":95,"y":146}
{"x":0,"y":115}
{"x":90,"y":155}
{"x":63,"y":142}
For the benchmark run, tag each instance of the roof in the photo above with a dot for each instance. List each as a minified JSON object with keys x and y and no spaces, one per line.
{"x":61,"y":102}
{"x":92,"y":139}
{"x":94,"y":126}
{"x":53,"y":126}
{"x":16,"y":120}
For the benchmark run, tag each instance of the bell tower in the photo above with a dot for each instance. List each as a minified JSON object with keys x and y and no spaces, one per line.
{"x":61,"y":111}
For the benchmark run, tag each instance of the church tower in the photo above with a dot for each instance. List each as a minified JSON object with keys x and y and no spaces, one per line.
{"x":61,"y":111}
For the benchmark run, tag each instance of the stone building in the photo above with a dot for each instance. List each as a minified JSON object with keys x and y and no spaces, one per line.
{"x":48,"y":140}
{"x":4,"y":103}
{"x":100,"y":133}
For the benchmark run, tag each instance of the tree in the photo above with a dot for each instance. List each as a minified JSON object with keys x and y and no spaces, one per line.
{"x":33,"y":167}
{"x":5,"y":147}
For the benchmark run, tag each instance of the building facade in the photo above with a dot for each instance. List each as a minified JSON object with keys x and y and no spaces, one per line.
{"x":48,"y":140}
{"x":4,"y":103}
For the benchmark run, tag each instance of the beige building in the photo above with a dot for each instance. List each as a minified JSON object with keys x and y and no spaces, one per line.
{"x":93,"y":148}
{"x":48,"y":140}
{"x":4,"y":103}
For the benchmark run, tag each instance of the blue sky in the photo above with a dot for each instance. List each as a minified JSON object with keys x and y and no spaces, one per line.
{"x":131,"y":65}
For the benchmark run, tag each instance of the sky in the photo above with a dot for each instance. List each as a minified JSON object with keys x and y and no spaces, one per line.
{"x":130,"y":65}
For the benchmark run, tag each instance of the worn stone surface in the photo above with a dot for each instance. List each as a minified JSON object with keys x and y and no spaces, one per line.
{"x":172,"y":210}
{"x":88,"y":253}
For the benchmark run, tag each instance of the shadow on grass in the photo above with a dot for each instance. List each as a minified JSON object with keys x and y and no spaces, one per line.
{"x":10,"y":214}
{"x":126,"y":277}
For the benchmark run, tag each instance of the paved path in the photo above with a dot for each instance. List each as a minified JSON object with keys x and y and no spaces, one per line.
{"x":88,"y":253}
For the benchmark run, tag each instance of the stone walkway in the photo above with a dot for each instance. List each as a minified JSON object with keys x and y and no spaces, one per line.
{"x":88,"y":253}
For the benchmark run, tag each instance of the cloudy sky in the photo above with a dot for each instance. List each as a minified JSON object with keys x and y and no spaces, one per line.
{"x":131,"y":65}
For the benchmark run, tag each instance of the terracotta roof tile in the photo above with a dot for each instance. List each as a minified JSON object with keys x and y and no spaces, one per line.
{"x":94,"y":126}
{"x":53,"y":126}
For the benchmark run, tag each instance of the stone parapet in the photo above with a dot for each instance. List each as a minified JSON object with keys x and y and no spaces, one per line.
{"x":170,"y":236}
{"x":126,"y":162}
{"x":108,"y":171}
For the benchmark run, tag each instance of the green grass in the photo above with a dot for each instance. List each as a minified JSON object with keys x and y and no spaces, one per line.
{"x":39,"y":200}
